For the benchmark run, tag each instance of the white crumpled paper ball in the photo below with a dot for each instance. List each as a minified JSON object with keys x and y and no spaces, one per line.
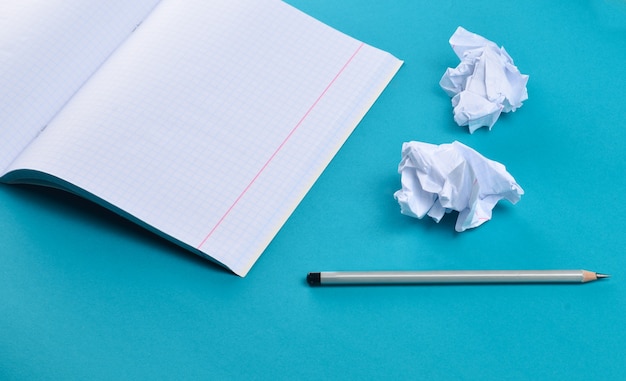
{"x":437,"y":179}
{"x":485,"y":83}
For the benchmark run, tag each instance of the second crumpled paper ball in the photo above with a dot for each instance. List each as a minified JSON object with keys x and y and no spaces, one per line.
{"x":437,"y":179}
{"x":485,"y":83}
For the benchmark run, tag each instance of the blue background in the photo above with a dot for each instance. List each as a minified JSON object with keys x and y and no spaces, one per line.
{"x":84,"y":294}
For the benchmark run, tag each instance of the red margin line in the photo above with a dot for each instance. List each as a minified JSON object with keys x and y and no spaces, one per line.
{"x":281,"y":146}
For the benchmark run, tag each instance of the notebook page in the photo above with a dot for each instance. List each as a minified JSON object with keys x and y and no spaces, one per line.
{"x":213,"y":120}
{"x":47,"y":51}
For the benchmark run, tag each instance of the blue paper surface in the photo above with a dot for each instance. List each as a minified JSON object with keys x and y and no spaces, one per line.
{"x":88,"y":295}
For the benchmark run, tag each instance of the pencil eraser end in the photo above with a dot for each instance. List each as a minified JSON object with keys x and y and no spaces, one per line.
{"x":314,"y":279}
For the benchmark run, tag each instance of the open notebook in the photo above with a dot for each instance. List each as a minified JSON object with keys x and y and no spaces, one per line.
{"x":204,"y":121}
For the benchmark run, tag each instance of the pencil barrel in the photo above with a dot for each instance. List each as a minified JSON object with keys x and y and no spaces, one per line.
{"x":452,"y":277}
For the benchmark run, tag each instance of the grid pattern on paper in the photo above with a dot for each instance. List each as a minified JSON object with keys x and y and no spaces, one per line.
{"x":300,"y":161}
{"x":191,"y":125}
{"x":47,"y":51}
{"x":284,"y":143}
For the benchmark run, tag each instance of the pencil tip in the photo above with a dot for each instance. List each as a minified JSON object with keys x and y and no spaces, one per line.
{"x":600,"y":276}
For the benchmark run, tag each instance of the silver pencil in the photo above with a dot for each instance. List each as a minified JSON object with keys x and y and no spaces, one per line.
{"x":452,"y":277}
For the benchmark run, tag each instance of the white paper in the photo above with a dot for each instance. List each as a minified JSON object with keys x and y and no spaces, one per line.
{"x":211,"y":122}
{"x":48,"y":49}
{"x":484,"y":84}
{"x":437,"y":179}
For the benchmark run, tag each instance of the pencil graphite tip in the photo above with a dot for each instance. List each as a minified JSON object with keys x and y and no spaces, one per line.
{"x":600,"y":276}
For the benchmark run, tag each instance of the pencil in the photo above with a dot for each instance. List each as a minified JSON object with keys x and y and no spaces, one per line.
{"x":452,"y":277}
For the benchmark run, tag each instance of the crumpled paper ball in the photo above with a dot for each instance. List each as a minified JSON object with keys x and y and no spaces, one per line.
{"x":437,"y":179}
{"x":484,"y":84}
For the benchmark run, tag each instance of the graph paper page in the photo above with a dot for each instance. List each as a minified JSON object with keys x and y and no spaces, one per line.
{"x":48,"y":49}
{"x":213,"y":120}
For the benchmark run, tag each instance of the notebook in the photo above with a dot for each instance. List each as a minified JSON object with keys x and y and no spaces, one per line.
{"x":204,"y":121}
